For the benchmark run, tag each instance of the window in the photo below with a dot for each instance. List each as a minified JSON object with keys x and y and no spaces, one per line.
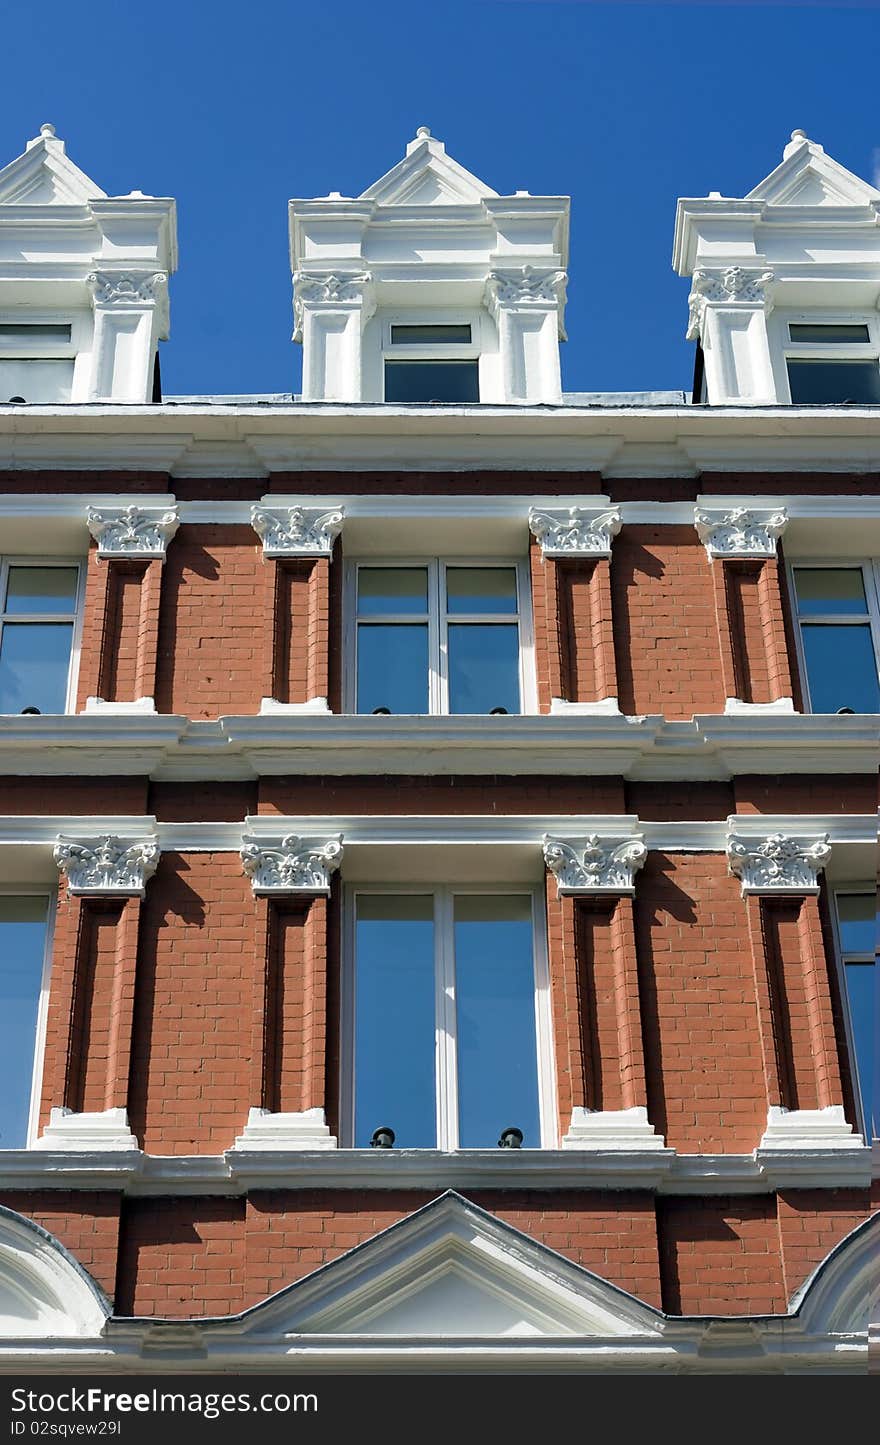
{"x":448,"y":1024}
{"x":838,"y":617}
{"x":36,"y":361}
{"x":857,"y":935}
{"x":23,"y":953}
{"x":832,"y":363}
{"x":38,"y":609}
{"x":431,"y":363}
{"x":439,"y":637}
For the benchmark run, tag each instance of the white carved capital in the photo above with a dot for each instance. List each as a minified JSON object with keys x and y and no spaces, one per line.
{"x":128,"y":288}
{"x":740,"y":531}
{"x":293,"y":865}
{"x":575,"y":531}
{"x":297,"y":531}
{"x":107,"y":865}
{"x":134,"y":531}
{"x":332,"y":291}
{"x":779,"y":863}
{"x":597,"y":865}
{"x":727,"y":285}
{"x":525,"y":286}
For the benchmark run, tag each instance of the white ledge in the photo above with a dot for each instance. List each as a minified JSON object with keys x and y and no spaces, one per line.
{"x":239,"y":1170}
{"x":284,"y":1132}
{"x":612,"y":1129}
{"x":105,"y":1132}
{"x":293,"y":709}
{"x":604,"y":707}
{"x":142,"y":706}
{"x":797,"y":1129}
{"x":734,"y":707}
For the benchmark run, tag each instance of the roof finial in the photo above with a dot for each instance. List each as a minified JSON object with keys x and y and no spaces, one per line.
{"x":423,"y":132}
{"x":799,"y":138}
{"x":47,"y":130}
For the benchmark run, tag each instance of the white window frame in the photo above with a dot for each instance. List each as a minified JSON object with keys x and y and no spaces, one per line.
{"x":870,"y":570}
{"x":869,"y":890}
{"x":832,"y":350}
{"x":77,"y":616}
{"x":445,"y":1023}
{"x":438,"y":627}
{"x":439,"y":351}
{"x":25,"y":890}
{"x":22,"y":348}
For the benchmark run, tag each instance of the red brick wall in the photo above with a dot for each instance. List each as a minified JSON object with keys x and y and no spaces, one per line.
{"x":703,"y":1064}
{"x":85,"y":1222}
{"x":720,"y":1256}
{"x":666,"y":632}
{"x":214,"y":634}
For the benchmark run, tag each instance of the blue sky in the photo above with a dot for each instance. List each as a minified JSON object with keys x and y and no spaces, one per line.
{"x":234,"y":108}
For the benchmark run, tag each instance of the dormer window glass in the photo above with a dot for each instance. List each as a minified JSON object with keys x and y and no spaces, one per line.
{"x":427,"y":362}
{"x":832,"y":363}
{"x":36,"y":361}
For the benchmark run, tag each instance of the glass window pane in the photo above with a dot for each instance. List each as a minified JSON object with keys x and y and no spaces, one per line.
{"x":857,"y":922}
{"x":826,"y":383}
{"x":427,"y":335}
{"x":841,"y":668}
{"x":22,"y":947}
{"x":415,"y":381}
{"x":824,"y":333}
{"x":861,"y":988}
{"x":34,"y":664}
{"x":38,"y":381}
{"x":834,"y":591}
{"x":394,"y":1019}
{"x":392,"y":667}
{"x":34,"y":590}
{"x":34,"y":331}
{"x":495,"y":1012}
{"x":483,"y":667}
{"x":481,"y":589}
{"x":392,"y":591}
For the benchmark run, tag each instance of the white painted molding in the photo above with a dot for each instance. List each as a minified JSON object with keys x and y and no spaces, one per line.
{"x":140,"y":532}
{"x":297,"y":531}
{"x":730,"y":284}
{"x":293,"y":865}
{"x":605,"y":707}
{"x":596,"y":864}
{"x":143,"y":706}
{"x":733,"y":707}
{"x":95,"y":1133}
{"x":808,"y":1129}
{"x":525,"y":286}
{"x":132,"y":289}
{"x":267,"y":1131}
{"x":740,"y":531}
{"x":625,"y":1129}
{"x":293,"y":709}
{"x":106,"y":865}
{"x":332,"y":291}
{"x":778,"y":862}
{"x":575,"y":531}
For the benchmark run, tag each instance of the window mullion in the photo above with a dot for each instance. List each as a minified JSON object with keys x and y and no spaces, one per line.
{"x":447,"y":1100}
{"x":440,"y":648}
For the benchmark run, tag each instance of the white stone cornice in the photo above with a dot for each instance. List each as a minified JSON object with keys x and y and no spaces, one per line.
{"x":740,"y":531}
{"x":135,"y":289}
{"x":778,"y":863}
{"x":293,"y":865}
{"x":140,"y":532}
{"x":106,"y":865}
{"x":332,"y":291}
{"x":575,"y":531}
{"x":727,"y":285}
{"x":525,"y":286}
{"x":297,"y":531}
{"x":596,"y":865}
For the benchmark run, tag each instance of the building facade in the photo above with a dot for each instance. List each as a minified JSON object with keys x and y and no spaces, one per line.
{"x":438,"y":842}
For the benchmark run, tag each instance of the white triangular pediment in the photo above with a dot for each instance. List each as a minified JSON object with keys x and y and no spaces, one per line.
{"x":452,"y":1270}
{"x":44,"y":176}
{"x":427,"y":176}
{"x":808,"y":177}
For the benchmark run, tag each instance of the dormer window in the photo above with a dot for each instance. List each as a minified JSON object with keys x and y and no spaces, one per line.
{"x":36,"y":361}
{"x":431,"y":362}
{"x":832,"y":363}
